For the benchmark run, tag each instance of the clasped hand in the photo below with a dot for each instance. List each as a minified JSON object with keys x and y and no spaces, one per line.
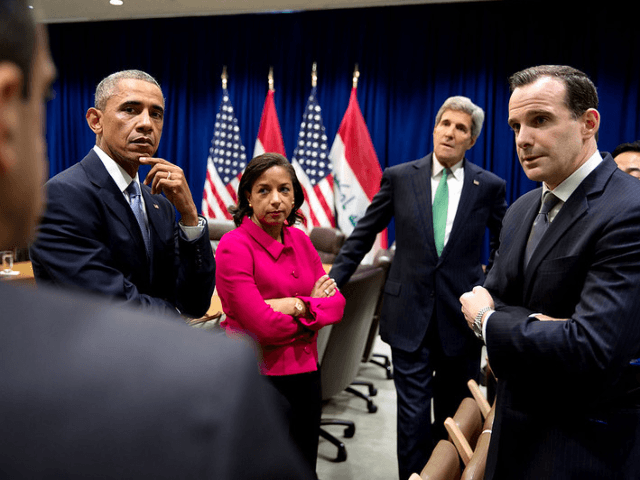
{"x":324,"y":287}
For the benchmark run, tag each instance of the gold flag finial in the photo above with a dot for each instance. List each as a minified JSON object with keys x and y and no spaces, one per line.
{"x":224,"y":77}
{"x":271,"y":78}
{"x":314,"y":75}
{"x":356,"y":75}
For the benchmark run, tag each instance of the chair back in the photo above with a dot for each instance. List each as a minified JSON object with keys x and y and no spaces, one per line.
{"x":346,"y":342}
{"x":443,"y":464}
{"x":217,"y":228}
{"x":478,"y":463}
{"x":383,"y":258}
{"x":327,"y":241}
{"x":465,"y":427}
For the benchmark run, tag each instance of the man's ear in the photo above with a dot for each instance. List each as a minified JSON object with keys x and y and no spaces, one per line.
{"x":11,"y":86}
{"x":94,"y":119}
{"x":591,"y":119}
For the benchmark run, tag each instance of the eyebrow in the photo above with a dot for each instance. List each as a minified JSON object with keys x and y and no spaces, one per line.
{"x":136,"y":103}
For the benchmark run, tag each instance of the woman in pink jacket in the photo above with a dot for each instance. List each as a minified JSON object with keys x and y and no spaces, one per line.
{"x":274,"y":289}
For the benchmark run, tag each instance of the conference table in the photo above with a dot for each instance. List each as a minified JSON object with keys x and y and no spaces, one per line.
{"x":24,"y":276}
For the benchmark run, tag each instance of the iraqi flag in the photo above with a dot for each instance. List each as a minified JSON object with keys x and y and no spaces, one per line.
{"x":269,"y":136}
{"x":357,"y":172}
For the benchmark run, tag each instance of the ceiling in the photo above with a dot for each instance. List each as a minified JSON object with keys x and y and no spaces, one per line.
{"x":62,"y":11}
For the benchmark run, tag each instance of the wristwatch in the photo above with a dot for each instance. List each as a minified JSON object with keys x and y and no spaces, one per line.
{"x":477,"y":323}
{"x":299,"y":307}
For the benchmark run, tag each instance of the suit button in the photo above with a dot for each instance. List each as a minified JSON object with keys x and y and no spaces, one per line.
{"x":307,"y":350}
{"x":294,"y":274}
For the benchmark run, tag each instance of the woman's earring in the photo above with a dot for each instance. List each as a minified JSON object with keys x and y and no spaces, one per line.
{"x":250,"y":205}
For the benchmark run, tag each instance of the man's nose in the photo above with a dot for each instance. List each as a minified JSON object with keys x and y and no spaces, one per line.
{"x":144,"y":121}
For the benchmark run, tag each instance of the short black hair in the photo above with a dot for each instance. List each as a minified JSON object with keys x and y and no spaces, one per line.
{"x":626,"y":147}
{"x":256,"y":167}
{"x":581,"y":93}
{"x":18,"y":37}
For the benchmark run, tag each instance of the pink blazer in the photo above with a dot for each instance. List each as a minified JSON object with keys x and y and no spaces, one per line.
{"x":252,"y":267}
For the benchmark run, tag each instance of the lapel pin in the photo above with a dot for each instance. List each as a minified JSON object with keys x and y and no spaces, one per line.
{"x":476,"y":182}
{"x":155,"y":205}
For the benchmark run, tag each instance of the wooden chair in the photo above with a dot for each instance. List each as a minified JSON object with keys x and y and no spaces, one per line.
{"x":443,"y":464}
{"x":465,"y":427}
{"x":479,"y":397}
{"x":474,"y":470}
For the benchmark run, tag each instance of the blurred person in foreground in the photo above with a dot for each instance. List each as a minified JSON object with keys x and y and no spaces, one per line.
{"x":107,"y":232}
{"x":627,"y":157}
{"x":274,"y":289}
{"x":89,"y":390}
{"x":559,"y":309}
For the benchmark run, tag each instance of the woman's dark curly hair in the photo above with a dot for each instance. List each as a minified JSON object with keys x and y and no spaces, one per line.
{"x":256,"y":167}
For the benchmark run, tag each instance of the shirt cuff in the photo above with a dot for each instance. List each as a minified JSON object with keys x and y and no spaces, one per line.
{"x":193,"y":231}
{"x":484,"y":325}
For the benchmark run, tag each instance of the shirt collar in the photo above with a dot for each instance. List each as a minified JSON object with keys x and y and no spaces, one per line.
{"x":267,"y":242}
{"x":437,"y":167}
{"x":119,"y":175}
{"x":569,"y":185}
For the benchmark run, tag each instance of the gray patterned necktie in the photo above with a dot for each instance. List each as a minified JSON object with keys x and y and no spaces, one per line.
{"x":540,"y":224}
{"x":135,"y":197}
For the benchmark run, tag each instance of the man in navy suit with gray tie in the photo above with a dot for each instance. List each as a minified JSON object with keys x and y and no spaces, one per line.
{"x":106,"y":231}
{"x":559,"y":309}
{"x":442,"y":205}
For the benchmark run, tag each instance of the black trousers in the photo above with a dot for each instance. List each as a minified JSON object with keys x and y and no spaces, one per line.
{"x":301,"y":398}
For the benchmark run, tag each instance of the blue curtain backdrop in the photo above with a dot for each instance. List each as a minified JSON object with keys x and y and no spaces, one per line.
{"x":411,"y":58}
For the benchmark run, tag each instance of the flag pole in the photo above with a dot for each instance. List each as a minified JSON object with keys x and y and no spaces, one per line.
{"x":356,"y":75}
{"x":224,"y":77}
{"x":271,"y":79}
{"x":314,"y":75}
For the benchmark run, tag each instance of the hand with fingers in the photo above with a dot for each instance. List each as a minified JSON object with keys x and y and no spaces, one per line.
{"x":165,"y":177}
{"x":325,"y":286}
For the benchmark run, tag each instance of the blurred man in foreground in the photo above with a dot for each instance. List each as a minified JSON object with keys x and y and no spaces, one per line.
{"x":92,"y":391}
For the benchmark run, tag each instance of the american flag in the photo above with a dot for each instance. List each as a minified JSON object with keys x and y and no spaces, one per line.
{"x":225,"y":164}
{"x":314,"y":168}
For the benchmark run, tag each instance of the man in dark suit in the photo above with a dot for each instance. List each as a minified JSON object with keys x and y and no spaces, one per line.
{"x":421,"y":317}
{"x":100,"y":236}
{"x":91,"y":391}
{"x":559,"y":309}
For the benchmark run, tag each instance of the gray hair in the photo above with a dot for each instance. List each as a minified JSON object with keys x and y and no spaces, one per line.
{"x":106,"y":88}
{"x":463,"y":104}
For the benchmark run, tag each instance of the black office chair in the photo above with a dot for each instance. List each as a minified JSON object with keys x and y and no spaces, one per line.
{"x":345,"y":344}
{"x":327,"y":241}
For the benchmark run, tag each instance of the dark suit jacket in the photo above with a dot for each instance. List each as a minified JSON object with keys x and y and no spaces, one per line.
{"x":92,"y":391}
{"x":90,"y":239}
{"x":564,"y":387}
{"x":419,"y":282}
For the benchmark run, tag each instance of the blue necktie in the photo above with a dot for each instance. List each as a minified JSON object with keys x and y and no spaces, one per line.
{"x":440,"y":207}
{"x":135,"y":198}
{"x":540,"y":225}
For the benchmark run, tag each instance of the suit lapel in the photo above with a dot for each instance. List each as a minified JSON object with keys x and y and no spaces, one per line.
{"x":421,"y":201}
{"x":468,"y":197}
{"x":576,"y":207}
{"x":113,"y":199}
